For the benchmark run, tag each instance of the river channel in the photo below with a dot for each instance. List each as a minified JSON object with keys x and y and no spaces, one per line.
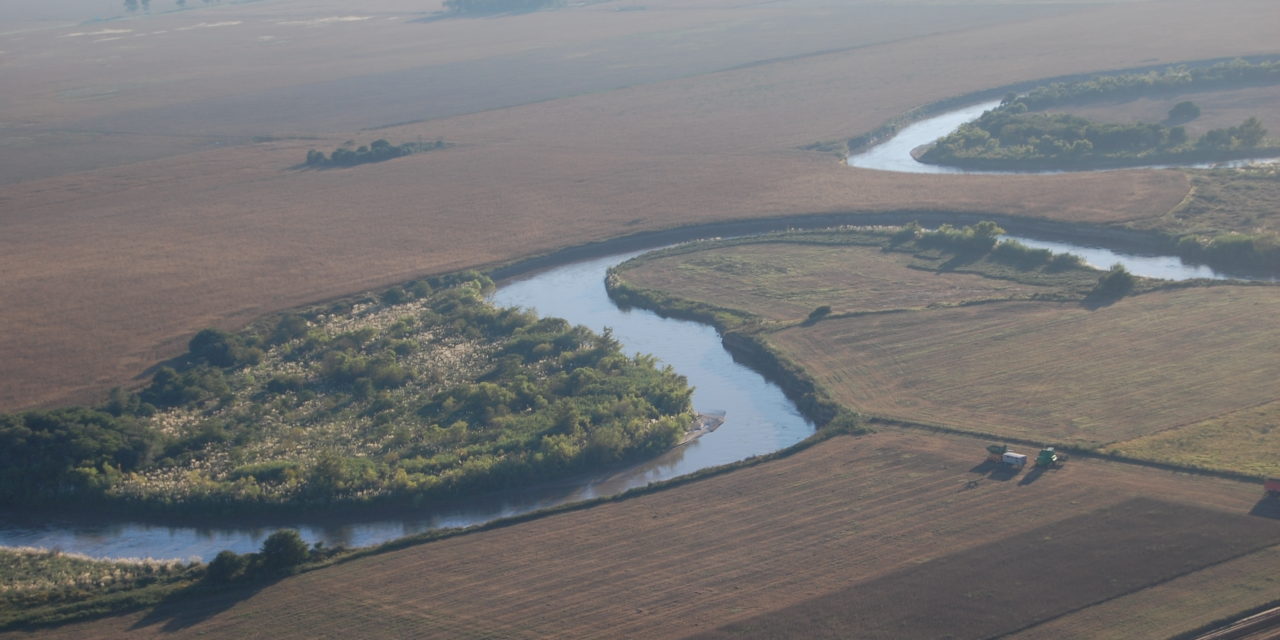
{"x":894,"y":154}
{"x":758,"y":417}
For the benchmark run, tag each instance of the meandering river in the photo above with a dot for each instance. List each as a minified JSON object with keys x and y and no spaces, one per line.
{"x":894,"y":154}
{"x":758,"y":417}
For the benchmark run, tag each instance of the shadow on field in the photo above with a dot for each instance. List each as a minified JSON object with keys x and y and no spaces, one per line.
{"x":995,"y":471}
{"x":1267,"y":507}
{"x":187,"y":608}
{"x":1031,"y":476}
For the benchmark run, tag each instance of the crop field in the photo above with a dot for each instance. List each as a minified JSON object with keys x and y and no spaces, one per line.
{"x":121,"y":241}
{"x":786,"y":281}
{"x":1054,"y":371}
{"x":1245,"y":440}
{"x":850,"y":518}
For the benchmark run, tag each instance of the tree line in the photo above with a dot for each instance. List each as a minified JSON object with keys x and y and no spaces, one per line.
{"x":379,"y":150}
{"x":1019,"y":135}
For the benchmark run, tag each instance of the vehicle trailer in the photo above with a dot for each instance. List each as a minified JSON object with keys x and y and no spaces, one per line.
{"x":1272,"y":485}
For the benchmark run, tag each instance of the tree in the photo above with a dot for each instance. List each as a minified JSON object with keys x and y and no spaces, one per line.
{"x":226,"y":566}
{"x":283,"y":550}
{"x":1249,"y":134}
{"x":1113,"y":285}
{"x":1184,"y":111}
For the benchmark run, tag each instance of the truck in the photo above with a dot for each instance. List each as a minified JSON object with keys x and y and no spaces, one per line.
{"x":1015,"y":461}
{"x":1272,"y":486}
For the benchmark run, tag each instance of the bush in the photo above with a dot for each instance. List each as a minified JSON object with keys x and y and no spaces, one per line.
{"x":283,"y":550}
{"x":226,"y":567}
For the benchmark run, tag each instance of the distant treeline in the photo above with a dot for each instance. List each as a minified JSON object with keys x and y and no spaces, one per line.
{"x":377,"y":151}
{"x":1012,"y":136}
{"x":1133,"y":85}
{"x":499,"y":6}
{"x":1013,"y":139}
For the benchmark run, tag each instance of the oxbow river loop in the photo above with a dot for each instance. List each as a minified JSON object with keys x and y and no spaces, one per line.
{"x":759,"y":419}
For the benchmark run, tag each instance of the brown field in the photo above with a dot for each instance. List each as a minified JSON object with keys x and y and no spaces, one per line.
{"x":1055,"y":371}
{"x":890,"y":513}
{"x":137,"y":212}
{"x":786,"y":281}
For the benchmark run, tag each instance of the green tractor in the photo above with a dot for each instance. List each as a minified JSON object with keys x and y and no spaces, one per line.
{"x":1048,"y":458}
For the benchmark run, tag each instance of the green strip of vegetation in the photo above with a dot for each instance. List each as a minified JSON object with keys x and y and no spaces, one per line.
{"x":1014,"y":136}
{"x":39,"y":586}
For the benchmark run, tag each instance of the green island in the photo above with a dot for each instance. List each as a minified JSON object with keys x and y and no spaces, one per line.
{"x":954,"y":330}
{"x":426,"y":392}
{"x":1019,"y":136}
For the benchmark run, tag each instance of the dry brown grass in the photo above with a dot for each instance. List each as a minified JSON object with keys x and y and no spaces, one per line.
{"x":1054,"y":371}
{"x":107,"y":271}
{"x":786,"y":281}
{"x":846,"y":514}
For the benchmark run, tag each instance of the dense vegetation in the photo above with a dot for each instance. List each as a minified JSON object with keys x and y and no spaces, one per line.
{"x":379,"y":150}
{"x":427,"y":392}
{"x":1015,"y":135}
{"x":483,"y":7}
{"x":1171,"y":81}
{"x":1009,"y":138}
{"x":32,"y":578}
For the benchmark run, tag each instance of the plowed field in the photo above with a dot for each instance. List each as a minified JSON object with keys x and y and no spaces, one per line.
{"x":849,"y":519}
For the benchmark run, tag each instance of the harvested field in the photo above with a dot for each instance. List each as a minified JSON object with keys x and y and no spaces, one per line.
{"x":1214,"y":593}
{"x":107,"y":271}
{"x":1023,"y":580}
{"x":847,"y":515}
{"x":1054,"y":371}
{"x":1245,"y":441}
{"x":786,"y":281}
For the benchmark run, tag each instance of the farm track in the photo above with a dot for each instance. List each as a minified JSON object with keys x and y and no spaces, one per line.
{"x":840,"y":516}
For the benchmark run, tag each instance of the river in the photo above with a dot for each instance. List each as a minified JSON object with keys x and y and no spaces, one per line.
{"x":758,"y":419}
{"x":894,"y":154}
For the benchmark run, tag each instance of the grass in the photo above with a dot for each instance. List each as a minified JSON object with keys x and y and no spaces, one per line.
{"x":978,"y":347}
{"x":39,"y":584}
{"x":784,"y":279}
{"x":1053,"y":371}
{"x":1244,"y":441}
{"x":844,"y":513}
